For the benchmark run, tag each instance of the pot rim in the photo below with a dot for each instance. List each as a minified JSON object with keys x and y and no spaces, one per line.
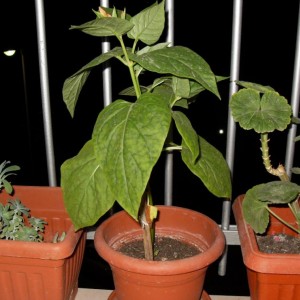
{"x":253,"y":258}
{"x":199,"y":261}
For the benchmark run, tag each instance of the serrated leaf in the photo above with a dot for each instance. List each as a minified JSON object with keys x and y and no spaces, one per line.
{"x":137,"y":132}
{"x":148,"y":24}
{"x":74,"y":84}
{"x":255,"y":86}
{"x":187,"y":132}
{"x":91,"y":191}
{"x":260,"y":196}
{"x":211,"y":168}
{"x":105,"y":27}
{"x":179,"y":61}
{"x":276,"y":192}
{"x":255,"y":212}
{"x":263,"y":114}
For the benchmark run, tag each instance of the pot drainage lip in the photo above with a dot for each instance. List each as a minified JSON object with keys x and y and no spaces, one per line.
{"x":204,"y":296}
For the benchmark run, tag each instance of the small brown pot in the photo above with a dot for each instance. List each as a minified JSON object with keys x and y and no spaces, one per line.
{"x":170,"y":280}
{"x":270,"y":276}
{"x":42,"y":271}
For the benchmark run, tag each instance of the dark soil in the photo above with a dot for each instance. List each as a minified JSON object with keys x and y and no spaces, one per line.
{"x":279,"y":243}
{"x":165,"y":248}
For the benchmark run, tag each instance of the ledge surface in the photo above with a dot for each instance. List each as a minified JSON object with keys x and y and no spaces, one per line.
{"x":93,"y":294}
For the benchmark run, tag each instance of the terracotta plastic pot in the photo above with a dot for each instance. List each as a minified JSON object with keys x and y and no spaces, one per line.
{"x":270,"y":276}
{"x":169,"y":280}
{"x":42,"y":271}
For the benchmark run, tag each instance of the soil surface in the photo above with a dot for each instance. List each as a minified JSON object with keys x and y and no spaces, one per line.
{"x":165,"y":248}
{"x":279,"y":243}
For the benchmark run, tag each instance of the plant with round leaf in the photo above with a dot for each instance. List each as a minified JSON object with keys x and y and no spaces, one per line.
{"x":262,"y":109}
{"x":129,"y":136}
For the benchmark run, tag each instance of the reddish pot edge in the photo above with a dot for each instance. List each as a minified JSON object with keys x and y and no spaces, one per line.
{"x":199,"y":261}
{"x":32,"y":196}
{"x":255,"y":259}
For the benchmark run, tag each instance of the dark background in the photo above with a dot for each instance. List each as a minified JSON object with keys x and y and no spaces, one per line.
{"x":267,"y":57}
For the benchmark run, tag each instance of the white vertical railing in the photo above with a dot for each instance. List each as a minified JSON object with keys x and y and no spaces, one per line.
{"x":290,"y":147}
{"x":168,"y":193}
{"x":106,"y":73}
{"x":44,"y":81}
{"x":230,"y":145}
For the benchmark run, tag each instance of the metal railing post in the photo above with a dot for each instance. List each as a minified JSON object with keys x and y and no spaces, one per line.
{"x":107,"y":91}
{"x":169,"y":156}
{"x":290,"y":146}
{"x":44,"y":81}
{"x":230,"y":146}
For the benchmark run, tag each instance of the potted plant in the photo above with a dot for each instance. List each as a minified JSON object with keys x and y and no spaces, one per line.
{"x":128,"y":138}
{"x":34,"y":262}
{"x":268,"y":211}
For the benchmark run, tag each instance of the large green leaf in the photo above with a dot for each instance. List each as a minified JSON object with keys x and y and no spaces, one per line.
{"x":255,"y":211}
{"x":74,"y":84}
{"x":136,"y":132}
{"x":179,"y":61}
{"x":148,"y":24}
{"x":105,"y":27}
{"x":187,"y":132}
{"x":263,"y":114}
{"x":72,"y":88}
{"x":211,"y":168}
{"x":260,"y":196}
{"x":276,"y":192}
{"x":137,"y":68}
{"x":87,"y":197}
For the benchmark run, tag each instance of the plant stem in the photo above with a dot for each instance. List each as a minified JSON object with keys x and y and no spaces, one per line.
{"x":148,"y":247}
{"x":146,"y":217}
{"x":130,"y":64}
{"x":283,"y":221}
{"x":281,"y":173}
{"x":280,"y":170}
